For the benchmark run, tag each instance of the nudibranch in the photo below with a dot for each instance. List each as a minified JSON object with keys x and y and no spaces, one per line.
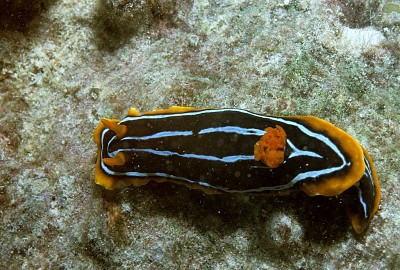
{"x":237,"y":151}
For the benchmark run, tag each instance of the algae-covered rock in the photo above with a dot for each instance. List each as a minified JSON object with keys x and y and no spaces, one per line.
{"x":18,"y":14}
{"x":391,"y":7}
{"x":115,"y":21}
{"x":359,"y":13}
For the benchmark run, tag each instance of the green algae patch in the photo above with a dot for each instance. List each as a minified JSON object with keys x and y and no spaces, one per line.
{"x":391,"y":7}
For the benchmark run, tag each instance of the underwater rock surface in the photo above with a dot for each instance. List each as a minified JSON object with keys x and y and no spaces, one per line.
{"x":79,"y":61}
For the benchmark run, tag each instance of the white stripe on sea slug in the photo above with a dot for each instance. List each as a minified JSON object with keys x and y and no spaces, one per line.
{"x":227,"y":159}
